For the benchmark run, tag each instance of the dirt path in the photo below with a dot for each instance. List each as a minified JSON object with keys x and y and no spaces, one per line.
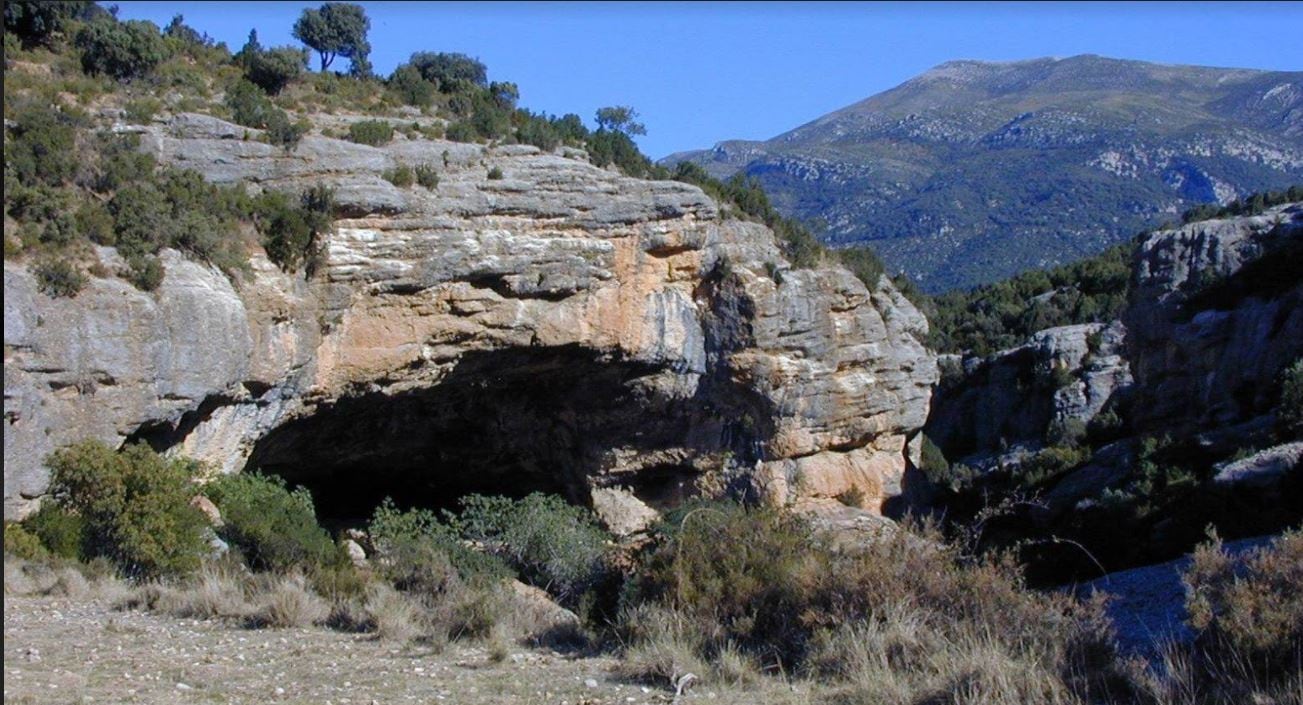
{"x":63,"y":651}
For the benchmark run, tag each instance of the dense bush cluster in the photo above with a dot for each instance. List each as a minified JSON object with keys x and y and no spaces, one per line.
{"x":721,"y":590}
{"x":130,"y":506}
{"x":998,"y":316}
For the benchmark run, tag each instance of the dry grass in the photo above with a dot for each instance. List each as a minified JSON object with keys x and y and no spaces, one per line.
{"x":904,"y":619}
{"x":288,"y":602}
{"x":390,"y":614}
{"x":55,"y":578}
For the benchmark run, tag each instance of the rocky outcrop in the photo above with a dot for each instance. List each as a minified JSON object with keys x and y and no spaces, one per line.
{"x":1217,"y":314}
{"x":1056,"y":383}
{"x":561,"y":328}
{"x":1265,"y":468}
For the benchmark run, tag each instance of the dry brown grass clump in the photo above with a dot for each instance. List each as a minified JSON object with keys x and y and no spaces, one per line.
{"x":1248,"y":616}
{"x":287,"y":601}
{"x":904,"y":619}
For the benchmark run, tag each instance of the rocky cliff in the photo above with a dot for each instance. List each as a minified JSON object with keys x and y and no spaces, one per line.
{"x":560,"y":328}
{"x":1131,"y":437}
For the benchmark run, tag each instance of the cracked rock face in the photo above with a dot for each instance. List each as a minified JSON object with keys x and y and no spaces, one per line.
{"x":562,"y":328}
{"x":1061,"y":378}
{"x":1218,"y":314}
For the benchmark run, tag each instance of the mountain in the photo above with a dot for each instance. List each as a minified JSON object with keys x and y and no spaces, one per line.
{"x":974,"y":171}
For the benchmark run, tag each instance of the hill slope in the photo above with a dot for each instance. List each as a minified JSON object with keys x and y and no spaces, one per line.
{"x":974,"y":171}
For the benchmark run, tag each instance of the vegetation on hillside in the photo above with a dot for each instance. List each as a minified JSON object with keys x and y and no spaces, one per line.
{"x":723,"y":591}
{"x":76,"y":59}
{"x":1002,"y":315}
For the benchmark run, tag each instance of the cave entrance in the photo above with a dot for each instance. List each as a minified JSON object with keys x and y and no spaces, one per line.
{"x":509,"y":422}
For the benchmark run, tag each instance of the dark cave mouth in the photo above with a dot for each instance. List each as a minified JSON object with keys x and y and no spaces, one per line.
{"x":508,"y":422}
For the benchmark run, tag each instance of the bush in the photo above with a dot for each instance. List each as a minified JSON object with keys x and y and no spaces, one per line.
{"x":251,"y":107}
{"x":402,"y":176}
{"x":36,"y":21}
{"x":22,"y":544}
{"x":551,"y":544}
{"x":411,"y":87}
{"x":462,"y":132}
{"x":371,"y":132}
{"x":421,"y":554}
{"x":495,"y":174}
{"x":761,"y":582}
{"x":449,"y":70}
{"x":1248,"y":615}
{"x":60,"y":532}
{"x":273,"y":69}
{"x":122,"y":50}
{"x":291,"y":232}
{"x":135,"y":503}
{"x":41,"y":148}
{"x":145,"y":272}
{"x":275,"y":528}
{"x":427,"y":176}
{"x":59,"y":277}
{"x":1290,"y":411}
{"x":143,"y":110}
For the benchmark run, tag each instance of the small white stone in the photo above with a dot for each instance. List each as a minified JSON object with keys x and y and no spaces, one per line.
{"x":590,"y":682}
{"x":182,"y":686}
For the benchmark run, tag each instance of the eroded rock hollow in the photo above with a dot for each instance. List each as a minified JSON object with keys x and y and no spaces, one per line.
{"x":562,"y":328}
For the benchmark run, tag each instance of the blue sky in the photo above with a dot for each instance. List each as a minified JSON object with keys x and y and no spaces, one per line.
{"x":703,"y":72}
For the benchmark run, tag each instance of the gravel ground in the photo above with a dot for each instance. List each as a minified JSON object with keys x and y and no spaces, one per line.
{"x":58,"y":650}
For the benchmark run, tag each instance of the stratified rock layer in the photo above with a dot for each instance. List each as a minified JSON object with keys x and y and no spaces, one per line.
{"x":561,"y":328}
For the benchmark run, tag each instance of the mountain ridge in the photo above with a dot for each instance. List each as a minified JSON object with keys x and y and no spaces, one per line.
{"x":974,"y":170}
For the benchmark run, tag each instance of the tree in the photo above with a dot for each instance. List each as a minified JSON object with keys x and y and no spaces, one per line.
{"x":274,"y":69}
{"x":34,"y":22}
{"x":123,"y":50}
{"x":335,"y":29}
{"x":449,"y":70}
{"x":620,"y":118}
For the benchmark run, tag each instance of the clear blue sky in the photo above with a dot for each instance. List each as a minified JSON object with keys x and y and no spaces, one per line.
{"x":699,"y":73}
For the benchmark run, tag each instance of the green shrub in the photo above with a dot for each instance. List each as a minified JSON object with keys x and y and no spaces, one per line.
{"x":273,"y":69}
{"x":22,"y":544}
{"x":41,"y":145}
{"x":495,"y":174}
{"x":462,"y":132}
{"x":283,"y":133}
{"x":143,"y":110}
{"x":427,"y":176}
{"x":1051,"y":463}
{"x":421,"y":554}
{"x":449,"y":71}
{"x":275,"y":528}
{"x":135,"y":503}
{"x":37,"y":21}
{"x":411,"y":87}
{"x":60,"y":532}
{"x":122,"y":50}
{"x":291,"y":232}
{"x":371,"y":132}
{"x":401,"y":176}
{"x":145,"y":272}
{"x":58,"y":277}
{"x":1290,"y":411}
{"x":551,"y":544}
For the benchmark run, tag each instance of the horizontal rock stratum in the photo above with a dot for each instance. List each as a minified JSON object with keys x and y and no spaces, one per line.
{"x":562,"y":328}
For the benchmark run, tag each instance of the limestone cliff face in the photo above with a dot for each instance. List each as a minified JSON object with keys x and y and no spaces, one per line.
{"x":1057,"y":382}
{"x":1215,"y":316}
{"x":560,"y":328}
{"x":1218,"y":314}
